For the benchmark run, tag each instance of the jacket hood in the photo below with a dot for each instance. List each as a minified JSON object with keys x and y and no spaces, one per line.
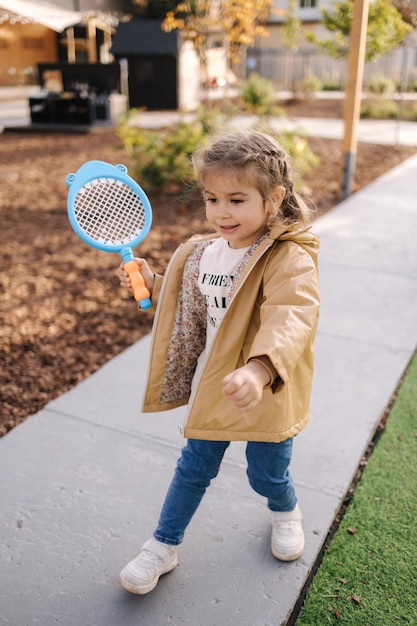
{"x":301,"y":235}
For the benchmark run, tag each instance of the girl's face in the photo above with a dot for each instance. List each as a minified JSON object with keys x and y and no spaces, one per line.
{"x":234,"y":209}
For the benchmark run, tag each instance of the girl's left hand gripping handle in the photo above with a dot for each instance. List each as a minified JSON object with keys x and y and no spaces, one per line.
{"x":140,"y":292}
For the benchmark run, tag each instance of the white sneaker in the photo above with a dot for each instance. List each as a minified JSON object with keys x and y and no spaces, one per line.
{"x":287,"y":538}
{"x":142,"y":574}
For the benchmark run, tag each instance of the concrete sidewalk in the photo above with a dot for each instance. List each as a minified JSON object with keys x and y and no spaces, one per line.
{"x":391,"y":132}
{"x":15,"y":114}
{"x":84,"y":479}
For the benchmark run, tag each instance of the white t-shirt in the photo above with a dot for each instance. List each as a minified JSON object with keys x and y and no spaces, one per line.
{"x":217,"y":269}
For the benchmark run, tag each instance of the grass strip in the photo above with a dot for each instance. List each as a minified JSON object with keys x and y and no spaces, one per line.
{"x":368,"y":575}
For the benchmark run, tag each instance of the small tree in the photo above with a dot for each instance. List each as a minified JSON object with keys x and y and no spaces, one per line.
{"x":239,"y":21}
{"x":386,"y":29}
{"x":290,"y":35}
{"x":291,"y":30}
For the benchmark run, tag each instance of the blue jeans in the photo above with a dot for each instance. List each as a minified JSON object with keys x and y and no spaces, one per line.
{"x":200,"y":462}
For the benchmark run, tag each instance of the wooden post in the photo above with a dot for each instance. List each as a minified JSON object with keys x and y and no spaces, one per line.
{"x":356,"y":61}
{"x":92,"y":40}
{"x":71,"y":45}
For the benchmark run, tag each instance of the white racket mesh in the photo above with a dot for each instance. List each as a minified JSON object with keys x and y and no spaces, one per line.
{"x":109,"y":211}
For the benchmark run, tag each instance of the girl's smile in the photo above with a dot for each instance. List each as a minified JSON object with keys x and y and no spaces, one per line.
{"x":234,"y":209}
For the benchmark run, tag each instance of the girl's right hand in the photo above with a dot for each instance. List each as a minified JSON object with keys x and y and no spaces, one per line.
{"x":144,"y":269}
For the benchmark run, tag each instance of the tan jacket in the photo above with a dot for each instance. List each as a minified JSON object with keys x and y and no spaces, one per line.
{"x":273,"y":312}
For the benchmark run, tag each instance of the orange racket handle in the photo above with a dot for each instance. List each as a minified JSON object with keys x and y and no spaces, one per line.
{"x":140,"y":291}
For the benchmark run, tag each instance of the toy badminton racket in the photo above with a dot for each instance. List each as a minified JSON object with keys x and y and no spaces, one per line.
{"x":109,"y":211}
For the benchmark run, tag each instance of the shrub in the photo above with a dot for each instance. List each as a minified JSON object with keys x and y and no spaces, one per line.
{"x":389,"y":109}
{"x":302,"y":157}
{"x":332,"y":86}
{"x":162,"y":158}
{"x":257,"y":96}
{"x":296,"y":146}
{"x":381,"y":85}
{"x":380,"y":110}
{"x":412,"y":113}
{"x":307,"y":88}
{"x":410,"y":87}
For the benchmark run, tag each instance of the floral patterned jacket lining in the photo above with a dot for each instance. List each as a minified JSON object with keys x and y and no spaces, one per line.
{"x":189,"y":331}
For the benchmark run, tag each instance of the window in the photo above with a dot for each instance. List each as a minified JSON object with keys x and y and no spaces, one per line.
{"x":308,"y":4}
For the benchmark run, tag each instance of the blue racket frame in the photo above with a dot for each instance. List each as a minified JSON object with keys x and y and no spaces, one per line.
{"x":93,"y":170}
{"x":96,"y":170}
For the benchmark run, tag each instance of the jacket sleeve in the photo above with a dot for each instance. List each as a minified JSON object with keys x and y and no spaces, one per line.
{"x":158,"y":279}
{"x":288,"y":311}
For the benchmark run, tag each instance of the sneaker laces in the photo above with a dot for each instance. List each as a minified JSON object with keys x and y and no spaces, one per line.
{"x":149,"y":556}
{"x":284,"y":526}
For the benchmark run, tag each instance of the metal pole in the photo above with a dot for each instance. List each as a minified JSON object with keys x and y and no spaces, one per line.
{"x":402,"y":89}
{"x":356,"y":62}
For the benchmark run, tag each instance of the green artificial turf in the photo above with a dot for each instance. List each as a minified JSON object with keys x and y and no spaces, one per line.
{"x":368,"y":575}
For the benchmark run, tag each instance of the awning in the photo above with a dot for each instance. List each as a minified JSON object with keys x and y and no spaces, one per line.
{"x":43,"y":13}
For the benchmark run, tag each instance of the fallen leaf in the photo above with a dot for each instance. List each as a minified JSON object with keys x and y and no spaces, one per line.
{"x":343,"y":581}
{"x":356,"y":599}
{"x":338,"y":614}
{"x":352,"y":530}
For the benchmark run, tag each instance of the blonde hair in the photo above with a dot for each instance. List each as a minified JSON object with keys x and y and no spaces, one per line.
{"x":258,"y":159}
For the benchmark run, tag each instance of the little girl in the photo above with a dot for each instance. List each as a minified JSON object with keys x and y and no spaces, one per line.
{"x":236,"y":316}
